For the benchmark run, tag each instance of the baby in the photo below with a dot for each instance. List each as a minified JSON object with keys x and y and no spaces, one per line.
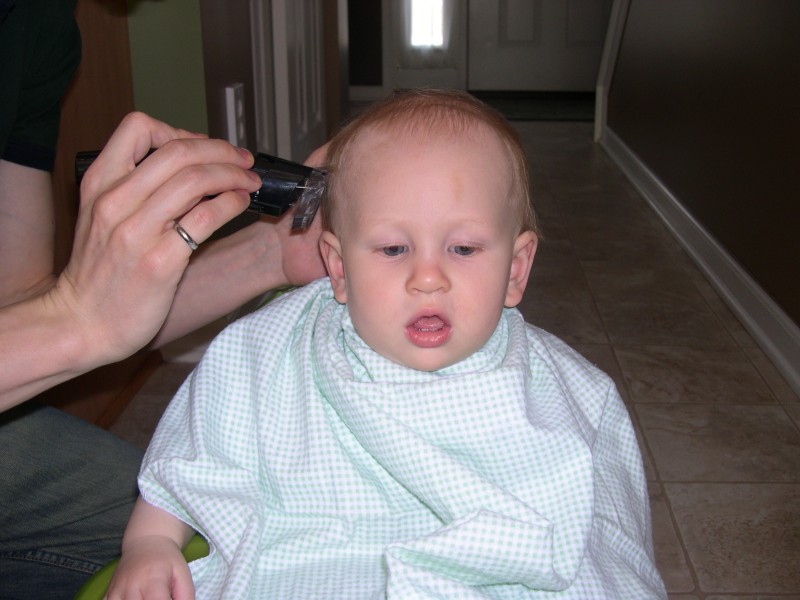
{"x":396,"y":429}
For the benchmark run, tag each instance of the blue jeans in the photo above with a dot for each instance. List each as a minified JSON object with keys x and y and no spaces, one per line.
{"x":66,"y":491}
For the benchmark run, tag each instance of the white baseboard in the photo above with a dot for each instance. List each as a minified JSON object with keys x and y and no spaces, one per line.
{"x":772,"y":329}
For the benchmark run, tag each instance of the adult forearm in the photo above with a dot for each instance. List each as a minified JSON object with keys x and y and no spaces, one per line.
{"x":26,"y":232}
{"x":39,"y":348}
{"x":222,"y":276}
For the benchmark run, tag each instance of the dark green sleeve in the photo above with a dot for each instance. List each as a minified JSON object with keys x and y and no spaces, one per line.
{"x":40,"y":48}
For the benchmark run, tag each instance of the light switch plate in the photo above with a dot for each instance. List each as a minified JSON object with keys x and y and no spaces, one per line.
{"x":234,"y":115}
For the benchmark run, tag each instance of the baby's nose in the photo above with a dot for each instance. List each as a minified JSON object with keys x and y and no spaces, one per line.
{"x":428,"y":276}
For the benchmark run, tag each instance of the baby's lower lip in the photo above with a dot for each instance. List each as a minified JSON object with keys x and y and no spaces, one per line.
{"x":428,"y":332}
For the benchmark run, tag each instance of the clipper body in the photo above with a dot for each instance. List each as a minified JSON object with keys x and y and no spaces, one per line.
{"x":283,"y":184}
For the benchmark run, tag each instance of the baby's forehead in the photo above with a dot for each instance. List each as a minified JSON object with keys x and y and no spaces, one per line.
{"x":386,"y":164}
{"x":399,"y":137}
{"x":382,"y":155}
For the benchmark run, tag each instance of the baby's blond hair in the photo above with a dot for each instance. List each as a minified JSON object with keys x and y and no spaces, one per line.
{"x":422,"y":111}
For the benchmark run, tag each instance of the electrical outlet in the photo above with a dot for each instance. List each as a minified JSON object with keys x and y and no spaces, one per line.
{"x":234,"y":114}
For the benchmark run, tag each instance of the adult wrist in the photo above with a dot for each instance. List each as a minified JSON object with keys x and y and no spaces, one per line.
{"x":39,"y":347}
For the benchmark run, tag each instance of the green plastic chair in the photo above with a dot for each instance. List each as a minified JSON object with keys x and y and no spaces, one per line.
{"x":96,"y":586}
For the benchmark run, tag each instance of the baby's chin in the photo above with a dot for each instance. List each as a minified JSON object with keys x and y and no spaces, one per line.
{"x":428,"y":360}
{"x":430,"y":356}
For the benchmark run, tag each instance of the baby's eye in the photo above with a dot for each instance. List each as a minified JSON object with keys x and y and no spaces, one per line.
{"x":464,"y":250}
{"x":395,"y":250}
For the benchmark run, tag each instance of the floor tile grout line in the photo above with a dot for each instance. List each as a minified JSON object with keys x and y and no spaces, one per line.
{"x":725,"y":482}
{"x":679,"y":536}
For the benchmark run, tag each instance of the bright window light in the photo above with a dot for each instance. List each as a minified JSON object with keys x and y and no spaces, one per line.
{"x":427,"y":23}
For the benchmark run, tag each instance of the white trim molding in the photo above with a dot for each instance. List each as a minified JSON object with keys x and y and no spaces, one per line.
{"x":616,"y":27}
{"x":769,"y":325}
{"x":264,"y":93}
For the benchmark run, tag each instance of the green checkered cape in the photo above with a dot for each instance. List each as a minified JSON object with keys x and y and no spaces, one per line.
{"x":317,"y":468}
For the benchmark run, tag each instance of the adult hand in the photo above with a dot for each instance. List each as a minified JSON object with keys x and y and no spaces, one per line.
{"x":127,"y":257}
{"x":227,"y":273}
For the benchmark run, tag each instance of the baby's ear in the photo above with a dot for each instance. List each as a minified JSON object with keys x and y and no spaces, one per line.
{"x":521,"y":262}
{"x":331,"y":250}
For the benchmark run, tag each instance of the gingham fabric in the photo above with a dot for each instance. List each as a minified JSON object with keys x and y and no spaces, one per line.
{"x":316,"y":468}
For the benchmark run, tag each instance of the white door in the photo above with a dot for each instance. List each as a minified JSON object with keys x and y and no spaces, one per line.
{"x":409,"y":66}
{"x":299,"y":78}
{"x":536,"y":45}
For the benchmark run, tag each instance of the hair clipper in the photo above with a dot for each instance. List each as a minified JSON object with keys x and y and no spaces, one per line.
{"x":283,"y":184}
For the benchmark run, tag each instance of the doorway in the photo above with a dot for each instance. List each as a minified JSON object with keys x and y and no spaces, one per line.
{"x":504,"y":50}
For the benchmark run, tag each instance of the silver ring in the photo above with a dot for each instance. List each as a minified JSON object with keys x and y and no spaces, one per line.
{"x":186,"y":237}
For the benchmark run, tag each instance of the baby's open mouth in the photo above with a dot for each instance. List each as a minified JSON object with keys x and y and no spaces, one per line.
{"x":428,"y":331}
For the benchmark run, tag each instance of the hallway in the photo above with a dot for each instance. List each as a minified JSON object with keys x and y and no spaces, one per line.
{"x":718,"y":426}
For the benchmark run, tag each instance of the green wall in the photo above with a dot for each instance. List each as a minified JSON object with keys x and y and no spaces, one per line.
{"x":167,"y":61}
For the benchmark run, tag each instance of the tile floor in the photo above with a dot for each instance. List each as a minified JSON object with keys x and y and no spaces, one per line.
{"x":718,"y":426}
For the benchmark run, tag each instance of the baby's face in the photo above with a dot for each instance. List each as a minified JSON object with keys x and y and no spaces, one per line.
{"x":427,"y":250}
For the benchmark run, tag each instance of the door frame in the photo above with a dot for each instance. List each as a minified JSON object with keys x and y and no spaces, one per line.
{"x":273,"y":65}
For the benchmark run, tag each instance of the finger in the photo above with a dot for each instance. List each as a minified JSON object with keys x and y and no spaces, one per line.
{"x":136,"y":134}
{"x":193,"y":185}
{"x":182,"y":586}
{"x":183,"y":154}
{"x":173,"y":197}
{"x":209,"y":215}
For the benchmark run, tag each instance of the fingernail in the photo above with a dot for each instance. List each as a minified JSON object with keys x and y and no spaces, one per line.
{"x":246,"y":154}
